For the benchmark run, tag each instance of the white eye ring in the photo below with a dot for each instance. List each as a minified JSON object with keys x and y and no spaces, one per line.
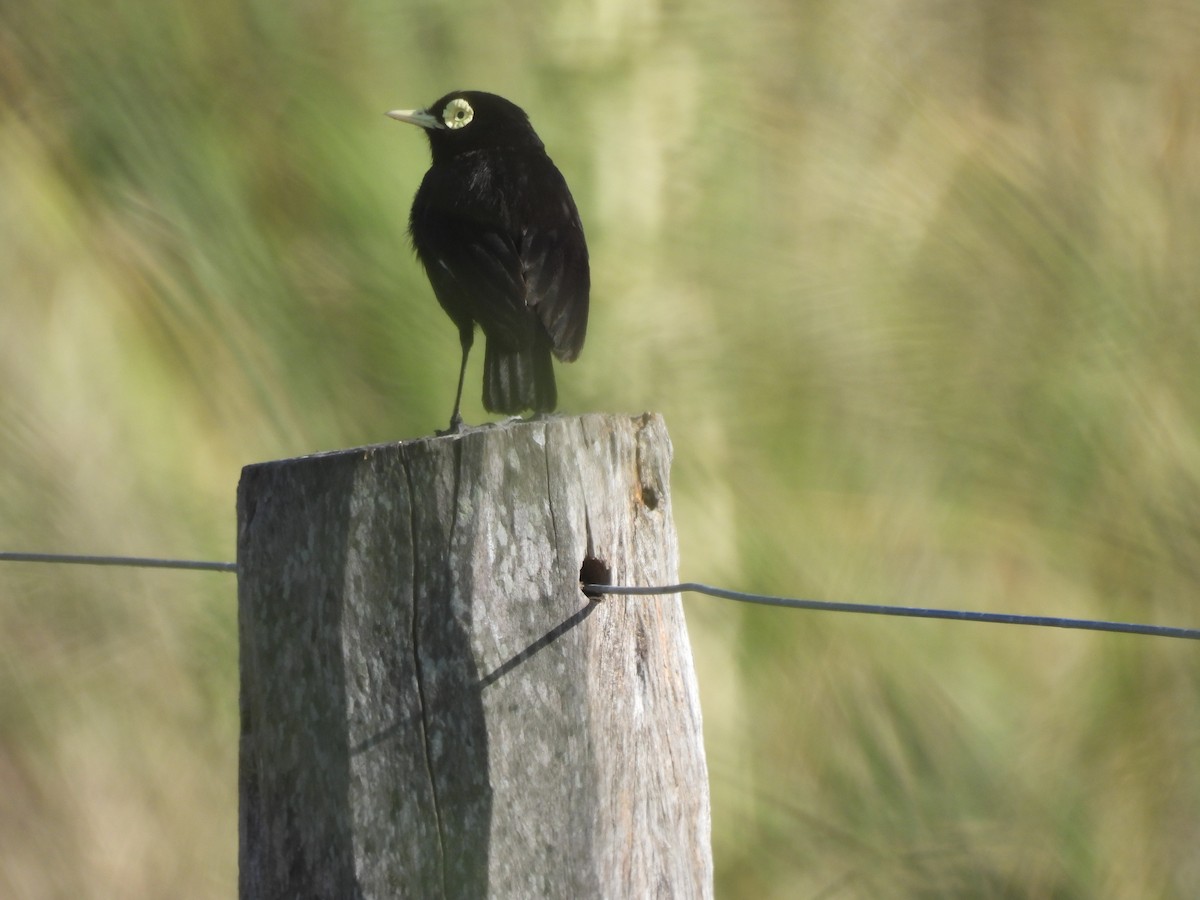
{"x":458,"y":113}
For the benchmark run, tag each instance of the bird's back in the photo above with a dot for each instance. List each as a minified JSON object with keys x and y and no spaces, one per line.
{"x":500,"y":238}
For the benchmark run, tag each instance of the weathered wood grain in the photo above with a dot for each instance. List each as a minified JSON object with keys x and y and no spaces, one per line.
{"x":431,"y":707}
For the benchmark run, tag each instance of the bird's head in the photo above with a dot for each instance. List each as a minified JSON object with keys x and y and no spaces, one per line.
{"x":463,"y":121}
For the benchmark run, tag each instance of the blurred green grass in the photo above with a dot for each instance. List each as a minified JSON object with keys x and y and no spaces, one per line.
{"x":914,"y":284}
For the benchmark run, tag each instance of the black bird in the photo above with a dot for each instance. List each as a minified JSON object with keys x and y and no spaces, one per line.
{"x":499,"y":236}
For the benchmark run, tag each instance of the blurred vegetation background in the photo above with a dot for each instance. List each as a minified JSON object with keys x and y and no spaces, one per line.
{"x":914,"y":282}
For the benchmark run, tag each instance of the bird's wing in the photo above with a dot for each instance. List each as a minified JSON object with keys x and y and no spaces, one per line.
{"x":501,"y":239}
{"x":460,"y":232}
{"x":555,"y":268}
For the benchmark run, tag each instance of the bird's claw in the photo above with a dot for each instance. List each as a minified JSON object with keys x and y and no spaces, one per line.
{"x":457,"y":426}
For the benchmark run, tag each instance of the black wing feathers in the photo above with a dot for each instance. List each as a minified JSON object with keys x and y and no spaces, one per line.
{"x":512,"y":257}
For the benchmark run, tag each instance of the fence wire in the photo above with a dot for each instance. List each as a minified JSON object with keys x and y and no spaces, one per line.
{"x":133,"y":562}
{"x":693,"y":587}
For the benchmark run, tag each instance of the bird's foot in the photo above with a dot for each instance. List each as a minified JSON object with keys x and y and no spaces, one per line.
{"x":457,"y":426}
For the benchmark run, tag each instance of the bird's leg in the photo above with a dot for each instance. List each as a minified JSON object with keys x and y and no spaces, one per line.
{"x":466,"y":336}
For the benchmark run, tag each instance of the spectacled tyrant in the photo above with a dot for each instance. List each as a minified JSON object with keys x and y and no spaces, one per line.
{"x":497,"y":231}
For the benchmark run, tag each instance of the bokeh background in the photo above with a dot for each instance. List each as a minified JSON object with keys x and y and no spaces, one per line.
{"x":914,"y":282}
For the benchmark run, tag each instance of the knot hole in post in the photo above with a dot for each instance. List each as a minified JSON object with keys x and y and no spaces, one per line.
{"x":649,"y":496}
{"x":594,"y":571}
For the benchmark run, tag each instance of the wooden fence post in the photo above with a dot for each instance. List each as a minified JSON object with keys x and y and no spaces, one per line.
{"x":430,"y":707}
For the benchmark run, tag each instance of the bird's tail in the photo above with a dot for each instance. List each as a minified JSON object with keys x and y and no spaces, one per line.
{"x":517,"y":380}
